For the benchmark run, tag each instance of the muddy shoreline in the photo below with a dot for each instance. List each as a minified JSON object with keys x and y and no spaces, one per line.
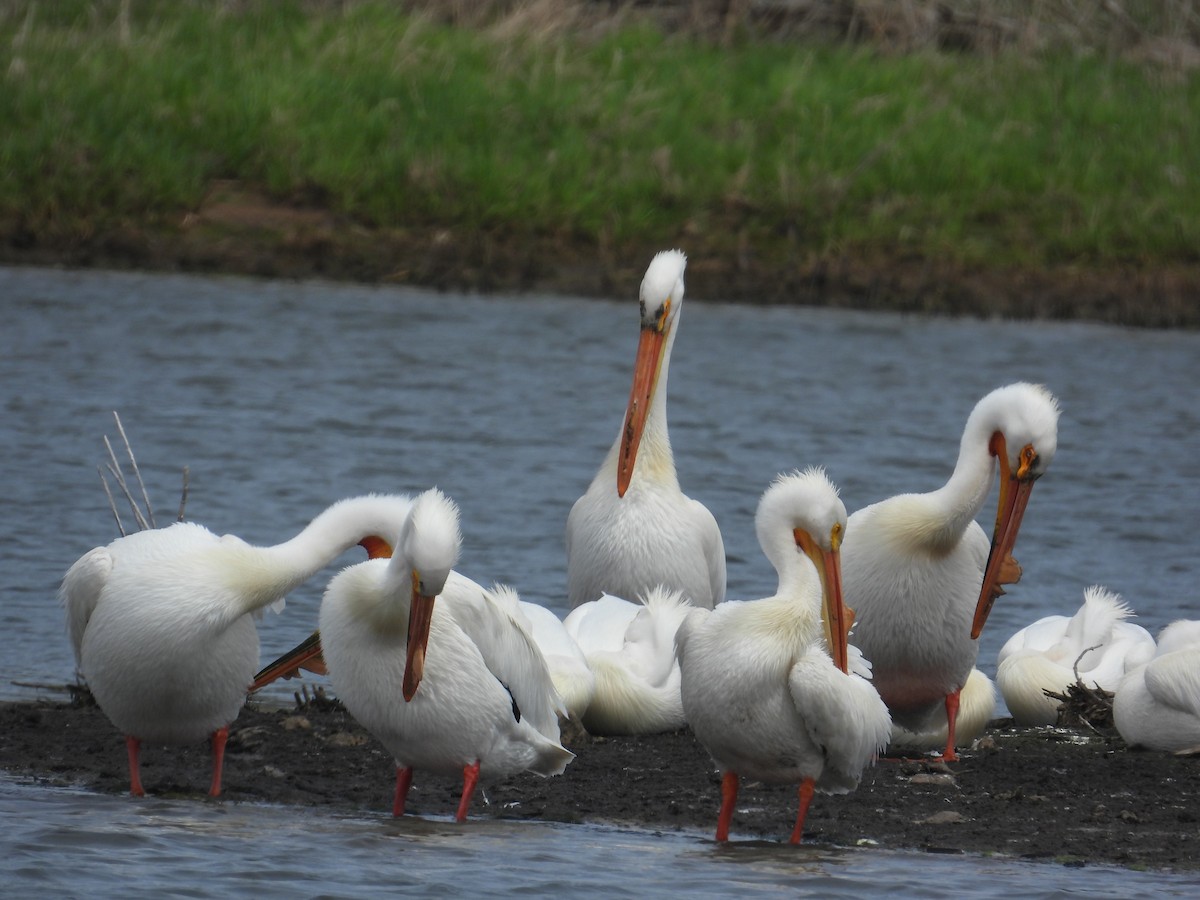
{"x":241,"y":232}
{"x":1046,"y":794}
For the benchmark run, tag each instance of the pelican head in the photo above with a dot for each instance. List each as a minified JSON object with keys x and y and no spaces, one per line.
{"x":806,"y":508}
{"x":1023,"y":422}
{"x":429,"y":546}
{"x":660,"y":298}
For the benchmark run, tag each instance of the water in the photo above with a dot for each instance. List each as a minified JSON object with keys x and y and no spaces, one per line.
{"x":58,"y":840}
{"x":283,"y":397}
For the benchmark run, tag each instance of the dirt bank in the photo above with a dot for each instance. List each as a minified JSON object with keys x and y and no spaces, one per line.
{"x":1031,"y":793}
{"x":240,"y":232}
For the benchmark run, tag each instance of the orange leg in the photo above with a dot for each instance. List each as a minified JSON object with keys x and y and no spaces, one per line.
{"x":403,"y":783}
{"x":729,"y":791}
{"x":951,"y":720}
{"x":220,"y":736}
{"x":133,"y":746}
{"x":806,"y":795}
{"x":470,"y":779}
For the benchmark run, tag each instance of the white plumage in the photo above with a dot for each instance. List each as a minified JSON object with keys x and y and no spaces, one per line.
{"x":569,"y":669}
{"x":922,"y":575}
{"x":634,"y":529}
{"x":759,"y":686}
{"x":1095,"y":642}
{"x":1157,"y":704}
{"x":481,"y":701}
{"x":630,"y":649}
{"x":162,"y":626}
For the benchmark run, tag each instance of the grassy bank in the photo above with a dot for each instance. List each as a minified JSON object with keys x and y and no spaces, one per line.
{"x":388,"y":142}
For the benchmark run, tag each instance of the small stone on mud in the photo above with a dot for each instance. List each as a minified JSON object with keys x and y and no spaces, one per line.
{"x":296,"y":723}
{"x":346,"y":739}
{"x":948,"y":817}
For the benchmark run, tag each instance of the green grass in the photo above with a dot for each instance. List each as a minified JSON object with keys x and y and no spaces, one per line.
{"x":395,"y":120}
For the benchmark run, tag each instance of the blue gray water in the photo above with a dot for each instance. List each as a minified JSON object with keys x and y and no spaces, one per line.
{"x":282,"y":397}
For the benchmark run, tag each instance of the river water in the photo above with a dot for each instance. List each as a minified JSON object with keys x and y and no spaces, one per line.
{"x":282,"y":397}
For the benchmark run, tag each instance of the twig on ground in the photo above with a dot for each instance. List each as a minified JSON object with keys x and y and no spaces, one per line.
{"x":136,"y":471}
{"x":1083,"y":705}
{"x":112,"y":503}
{"x":144,"y":520}
{"x":114,"y":467}
{"x":183,"y":495}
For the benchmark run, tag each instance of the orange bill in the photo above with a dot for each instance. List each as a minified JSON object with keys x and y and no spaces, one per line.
{"x":1015,"y":491}
{"x":646,"y":367}
{"x":836,"y":617}
{"x":306,"y":655}
{"x":376,"y":547}
{"x":420,"y":617}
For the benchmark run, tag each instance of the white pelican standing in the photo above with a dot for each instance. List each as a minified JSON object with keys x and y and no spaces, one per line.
{"x":437,"y":668}
{"x":920,"y":573}
{"x":1095,"y":643}
{"x":760,"y":689}
{"x":634,"y":529}
{"x":630,"y":649}
{"x":1157,"y":705}
{"x":161,"y":621}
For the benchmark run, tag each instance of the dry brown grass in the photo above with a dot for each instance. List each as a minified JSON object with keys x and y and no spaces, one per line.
{"x":1161,"y":32}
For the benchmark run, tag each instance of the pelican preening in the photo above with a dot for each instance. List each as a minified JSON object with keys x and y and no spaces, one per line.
{"x":440,"y":670}
{"x":162,"y":626}
{"x":1094,"y":645}
{"x":1157,"y":704}
{"x":922,"y":575}
{"x":630,"y":651}
{"x":769,"y":686}
{"x":308,"y":655}
{"x":634,"y":529}
{"x":457,"y":679}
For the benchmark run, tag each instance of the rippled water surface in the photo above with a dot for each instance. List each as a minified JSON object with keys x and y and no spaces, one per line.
{"x":68,"y":843}
{"x":283,"y":397}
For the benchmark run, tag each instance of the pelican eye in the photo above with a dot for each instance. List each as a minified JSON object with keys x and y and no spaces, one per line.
{"x":1027,"y":463}
{"x":835,"y":536}
{"x":663,"y":312}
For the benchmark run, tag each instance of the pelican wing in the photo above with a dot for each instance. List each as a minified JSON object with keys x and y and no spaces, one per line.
{"x":842,"y":714}
{"x":692,"y":622}
{"x":493,"y":621}
{"x":1174,"y":680}
{"x":600,"y":625}
{"x":649,"y":644}
{"x":1040,"y":636}
{"x":713,"y":547}
{"x":80,"y":592}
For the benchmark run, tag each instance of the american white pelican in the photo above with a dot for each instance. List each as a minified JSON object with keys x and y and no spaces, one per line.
{"x":976,"y":709}
{"x":161,"y":620}
{"x":634,"y":529}
{"x":1046,"y":655}
{"x":437,"y":668}
{"x":1157,"y":705}
{"x":760,"y":689}
{"x":919,"y":570}
{"x":630,"y":649}
{"x":569,"y":669}
{"x":308,"y":654}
